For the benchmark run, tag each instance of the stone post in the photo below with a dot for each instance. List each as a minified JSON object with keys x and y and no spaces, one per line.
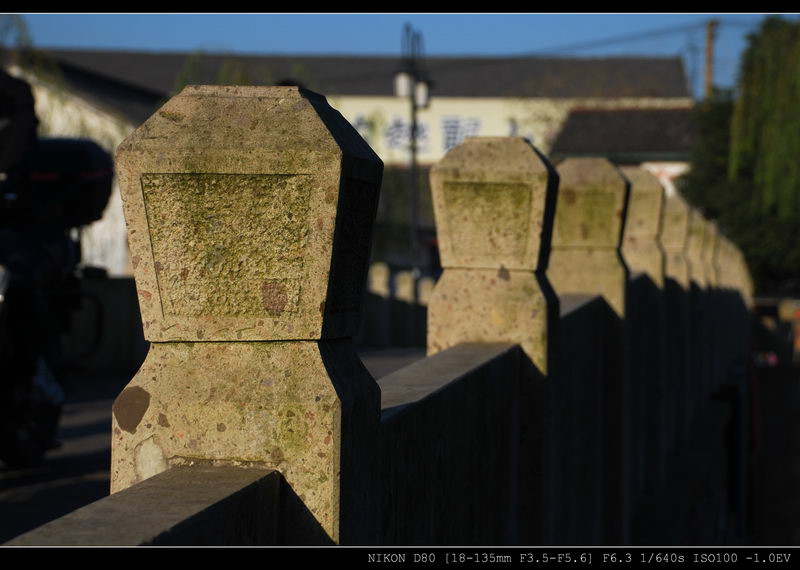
{"x":674,"y":240}
{"x":586,"y":259}
{"x":644,"y":258}
{"x":709,"y":255}
{"x":641,"y":248}
{"x":587,"y":234}
{"x":493,"y":200}
{"x":694,"y":248}
{"x":698,"y":306}
{"x":250,"y":214}
{"x":715,"y":310}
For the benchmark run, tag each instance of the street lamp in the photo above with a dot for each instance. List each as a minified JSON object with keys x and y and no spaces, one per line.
{"x":412,"y":82}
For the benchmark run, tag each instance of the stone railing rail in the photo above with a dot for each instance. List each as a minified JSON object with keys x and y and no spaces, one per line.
{"x":587,"y":344}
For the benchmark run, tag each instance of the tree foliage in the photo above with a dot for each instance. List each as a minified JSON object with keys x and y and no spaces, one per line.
{"x":765,"y":131}
{"x":746,"y":158}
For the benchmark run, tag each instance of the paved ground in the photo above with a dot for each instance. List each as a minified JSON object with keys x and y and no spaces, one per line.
{"x":77,"y":473}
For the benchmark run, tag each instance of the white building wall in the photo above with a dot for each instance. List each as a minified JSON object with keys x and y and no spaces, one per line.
{"x":62,"y":114}
{"x":384,"y":122}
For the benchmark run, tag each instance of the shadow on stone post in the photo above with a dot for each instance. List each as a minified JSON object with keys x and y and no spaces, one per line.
{"x":494,"y":200}
{"x":250,"y":214}
{"x":586,"y":259}
{"x":644,"y":257}
{"x":714,"y":372}
{"x":677,"y":289}
{"x":698,"y":310}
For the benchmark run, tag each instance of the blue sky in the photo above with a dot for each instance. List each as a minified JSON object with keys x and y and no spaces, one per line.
{"x":379,"y":34}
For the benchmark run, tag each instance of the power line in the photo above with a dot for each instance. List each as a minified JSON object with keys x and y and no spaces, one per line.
{"x":622,"y":39}
{"x":725,"y":22}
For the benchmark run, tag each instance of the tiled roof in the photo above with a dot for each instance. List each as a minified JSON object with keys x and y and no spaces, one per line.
{"x":134,"y":82}
{"x":626,"y":135}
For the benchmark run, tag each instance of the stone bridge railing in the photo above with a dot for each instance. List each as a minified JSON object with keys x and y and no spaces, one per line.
{"x":587,"y":345}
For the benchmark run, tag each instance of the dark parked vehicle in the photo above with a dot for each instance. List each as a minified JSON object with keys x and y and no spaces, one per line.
{"x":49,"y":188}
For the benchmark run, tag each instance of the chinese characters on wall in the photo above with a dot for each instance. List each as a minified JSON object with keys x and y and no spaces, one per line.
{"x":395,"y":134}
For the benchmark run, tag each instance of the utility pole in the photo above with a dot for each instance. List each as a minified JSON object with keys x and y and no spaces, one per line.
{"x":411,"y":81}
{"x":711,"y":32}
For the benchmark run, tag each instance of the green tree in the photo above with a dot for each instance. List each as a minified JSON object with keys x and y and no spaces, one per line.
{"x":745,"y":166}
{"x":765,"y":131}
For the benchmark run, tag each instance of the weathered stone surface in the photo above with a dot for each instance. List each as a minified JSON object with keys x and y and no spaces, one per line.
{"x":744,"y":280}
{"x":694,"y":248}
{"x":733,"y":271}
{"x":724,"y":263}
{"x":493,"y":199}
{"x":479,"y":305}
{"x":279,"y":405}
{"x":237,"y":220}
{"x":640,"y":246}
{"x":674,"y":237}
{"x":590,"y":214}
{"x":250,"y":211}
{"x":709,"y":254}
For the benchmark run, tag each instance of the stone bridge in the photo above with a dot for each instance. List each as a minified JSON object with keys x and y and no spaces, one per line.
{"x":588,"y":340}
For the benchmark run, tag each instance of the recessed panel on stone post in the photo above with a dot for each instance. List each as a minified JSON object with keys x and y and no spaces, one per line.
{"x":250,"y":214}
{"x":640,"y":247}
{"x":590,"y":214}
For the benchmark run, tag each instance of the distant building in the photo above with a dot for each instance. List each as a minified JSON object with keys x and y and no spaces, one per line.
{"x":565,"y":106}
{"x":657,"y":139}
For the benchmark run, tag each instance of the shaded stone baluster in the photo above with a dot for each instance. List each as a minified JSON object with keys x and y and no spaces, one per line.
{"x":250,"y":214}
{"x":644,"y":258}
{"x":674,"y":239}
{"x":698,"y":307}
{"x":587,"y":234}
{"x":586,"y":259}
{"x":715,"y":331}
{"x":493,"y":200}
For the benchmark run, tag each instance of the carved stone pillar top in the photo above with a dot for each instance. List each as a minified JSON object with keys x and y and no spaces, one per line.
{"x":490,"y":195}
{"x":250,"y":212}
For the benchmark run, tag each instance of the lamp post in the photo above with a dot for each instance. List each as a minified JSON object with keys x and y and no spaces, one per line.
{"x":412,"y":82}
